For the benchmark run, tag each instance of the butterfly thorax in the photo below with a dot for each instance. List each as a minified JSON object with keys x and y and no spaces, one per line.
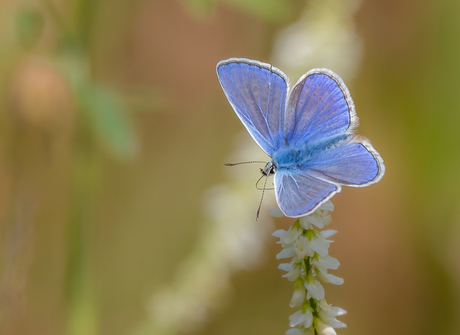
{"x":298,"y":157}
{"x":290,"y":157}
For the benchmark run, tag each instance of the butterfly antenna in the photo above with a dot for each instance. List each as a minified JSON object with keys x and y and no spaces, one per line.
{"x":257,"y":182}
{"x":262,"y":198}
{"x":257,"y":185}
{"x":233,"y":164}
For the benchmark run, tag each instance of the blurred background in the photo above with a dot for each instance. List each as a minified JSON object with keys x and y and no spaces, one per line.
{"x":117,"y":215}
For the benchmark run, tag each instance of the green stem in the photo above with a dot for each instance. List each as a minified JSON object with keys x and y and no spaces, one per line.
{"x":314,"y":308}
{"x":307,"y":266}
{"x":80,"y":296}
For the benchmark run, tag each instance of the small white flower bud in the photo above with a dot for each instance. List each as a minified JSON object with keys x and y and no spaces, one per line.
{"x":292,"y":234}
{"x":327,"y":206}
{"x":328,"y":233}
{"x":328,"y":278}
{"x":297,"y":318}
{"x":285,"y":253}
{"x":324,"y":329}
{"x":298,"y":296}
{"x":327,"y":262}
{"x":314,"y":287}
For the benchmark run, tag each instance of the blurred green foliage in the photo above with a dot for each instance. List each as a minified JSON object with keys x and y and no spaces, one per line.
{"x":109,"y":120}
{"x":29,"y":27}
{"x":104,"y":111}
{"x":274,"y":11}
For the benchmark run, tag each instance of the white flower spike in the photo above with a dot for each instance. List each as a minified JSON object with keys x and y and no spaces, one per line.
{"x":308,"y":249}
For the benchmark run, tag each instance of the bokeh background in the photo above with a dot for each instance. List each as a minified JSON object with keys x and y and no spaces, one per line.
{"x":117,"y":215}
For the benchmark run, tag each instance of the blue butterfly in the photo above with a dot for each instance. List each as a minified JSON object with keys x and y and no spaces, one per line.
{"x":308,"y":132}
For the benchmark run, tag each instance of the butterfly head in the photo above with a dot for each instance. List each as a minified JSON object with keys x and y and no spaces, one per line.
{"x":269,"y":169}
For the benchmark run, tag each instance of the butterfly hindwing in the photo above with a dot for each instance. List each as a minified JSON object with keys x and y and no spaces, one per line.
{"x":299,"y":193}
{"x":257,"y":92}
{"x":354,"y":163}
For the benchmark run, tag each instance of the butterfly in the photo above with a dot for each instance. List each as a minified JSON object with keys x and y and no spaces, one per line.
{"x":307,"y":131}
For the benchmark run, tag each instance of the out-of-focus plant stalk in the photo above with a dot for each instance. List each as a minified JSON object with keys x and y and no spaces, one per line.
{"x":80,"y":297}
{"x":80,"y":283}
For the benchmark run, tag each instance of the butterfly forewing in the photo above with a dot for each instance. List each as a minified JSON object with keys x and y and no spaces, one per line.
{"x":257,"y":93}
{"x":319,"y":108}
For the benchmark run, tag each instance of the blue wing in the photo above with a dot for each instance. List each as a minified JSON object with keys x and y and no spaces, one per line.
{"x":354,"y":163}
{"x":319,"y":108}
{"x":257,"y":93}
{"x":299,"y":193}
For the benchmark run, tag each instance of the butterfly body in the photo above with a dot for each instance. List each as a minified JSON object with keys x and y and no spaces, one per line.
{"x":292,"y":157}
{"x":308,"y":132}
